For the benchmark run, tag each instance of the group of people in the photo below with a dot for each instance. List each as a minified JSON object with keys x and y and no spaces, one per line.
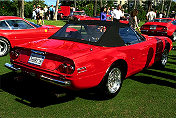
{"x":41,"y":13}
{"x":118,"y":13}
{"x":115,"y":13}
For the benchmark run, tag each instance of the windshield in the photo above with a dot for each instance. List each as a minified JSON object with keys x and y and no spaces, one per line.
{"x":80,"y":32}
{"x":78,"y":13}
{"x":160,"y":20}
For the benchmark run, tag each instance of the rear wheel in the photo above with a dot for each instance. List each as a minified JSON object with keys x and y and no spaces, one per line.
{"x":4,"y":47}
{"x":112,"y":83}
{"x":164,"y":58}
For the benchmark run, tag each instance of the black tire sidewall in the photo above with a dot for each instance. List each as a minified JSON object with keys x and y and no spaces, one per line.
{"x":104,"y":88}
{"x":8,"y":46}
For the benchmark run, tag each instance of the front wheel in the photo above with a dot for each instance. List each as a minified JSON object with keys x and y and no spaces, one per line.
{"x":4,"y":47}
{"x":112,"y":83}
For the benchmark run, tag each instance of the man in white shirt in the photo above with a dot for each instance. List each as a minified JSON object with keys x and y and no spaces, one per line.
{"x":117,"y":13}
{"x":151,"y":15}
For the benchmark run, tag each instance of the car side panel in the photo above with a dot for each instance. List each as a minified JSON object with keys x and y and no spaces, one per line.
{"x":137,"y":56}
{"x":171,"y":29}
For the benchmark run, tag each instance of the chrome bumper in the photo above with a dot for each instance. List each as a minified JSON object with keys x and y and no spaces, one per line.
{"x":54,"y":81}
{"x":11,"y":67}
{"x":42,"y":77}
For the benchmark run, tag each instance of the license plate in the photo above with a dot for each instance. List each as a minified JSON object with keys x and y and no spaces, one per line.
{"x":152,"y":27}
{"x":36,"y":59}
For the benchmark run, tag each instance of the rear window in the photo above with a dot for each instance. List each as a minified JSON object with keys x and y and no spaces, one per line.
{"x":78,"y":32}
{"x":160,"y":20}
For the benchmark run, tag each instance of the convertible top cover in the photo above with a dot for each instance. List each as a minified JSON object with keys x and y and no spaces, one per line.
{"x":99,"y":33}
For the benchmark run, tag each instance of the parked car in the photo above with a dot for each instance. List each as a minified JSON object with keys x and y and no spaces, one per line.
{"x":160,"y":27}
{"x":86,"y":54}
{"x":80,"y":15}
{"x":64,"y":12}
{"x":15,"y":30}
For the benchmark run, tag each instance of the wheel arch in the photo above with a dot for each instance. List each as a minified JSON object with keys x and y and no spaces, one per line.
{"x":167,"y":45}
{"x":122,"y":64}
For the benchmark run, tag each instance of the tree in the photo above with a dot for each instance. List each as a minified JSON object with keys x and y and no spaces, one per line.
{"x":56,"y":11}
{"x":169,"y":8}
{"x":21,"y":8}
{"x":162,"y":6}
{"x":95,"y":7}
{"x":101,"y":3}
{"x":75,"y":4}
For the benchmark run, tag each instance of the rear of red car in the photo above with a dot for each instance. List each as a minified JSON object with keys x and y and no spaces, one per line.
{"x":47,"y":66}
{"x":159,"y":27}
{"x":155,"y":29}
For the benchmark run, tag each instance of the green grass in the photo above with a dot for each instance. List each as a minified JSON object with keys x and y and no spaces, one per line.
{"x":50,"y":22}
{"x":150,"y":93}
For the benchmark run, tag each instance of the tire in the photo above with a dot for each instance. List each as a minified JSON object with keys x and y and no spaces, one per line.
{"x":4,"y":47}
{"x":173,"y":36}
{"x":112,"y":83}
{"x":164,"y":58}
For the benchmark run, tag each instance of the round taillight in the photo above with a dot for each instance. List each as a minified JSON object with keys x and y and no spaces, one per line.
{"x":67,"y":69}
{"x":14,"y":55}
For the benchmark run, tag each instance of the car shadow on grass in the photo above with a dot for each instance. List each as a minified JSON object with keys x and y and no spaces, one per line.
{"x":36,"y":93}
{"x":33,"y":92}
{"x":153,"y":80}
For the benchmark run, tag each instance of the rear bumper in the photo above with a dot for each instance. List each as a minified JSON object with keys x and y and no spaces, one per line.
{"x":157,"y":33}
{"x":71,"y":82}
{"x":62,"y":83}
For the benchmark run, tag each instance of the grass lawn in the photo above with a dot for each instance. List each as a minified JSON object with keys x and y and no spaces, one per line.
{"x":150,"y":93}
{"x":50,"y":22}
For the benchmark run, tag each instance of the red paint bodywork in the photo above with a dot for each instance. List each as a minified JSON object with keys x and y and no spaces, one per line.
{"x":19,"y":36}
{"x":64,"y":10}
{"x":96,"y":59}
{"x":165,"y":29}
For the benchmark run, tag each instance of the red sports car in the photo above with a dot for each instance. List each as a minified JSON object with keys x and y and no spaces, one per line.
{"x":15,"y":30}
{"x":80,"y":15}
{"x":87,"y":54}
{"x":160,"y":27}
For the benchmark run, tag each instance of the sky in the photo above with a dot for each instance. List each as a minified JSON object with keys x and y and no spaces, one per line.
{"x":50,"y":2}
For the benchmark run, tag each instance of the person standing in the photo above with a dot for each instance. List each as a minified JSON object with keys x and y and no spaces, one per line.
{"x":117,"y":13}
{"x":109,"y":11}
{"x":45,"y":12}
{"x":103,"y":14}
{"x":41,"y":21}
{"x":37,"y":13}
{"x":51,"y":12}
{"x":33,"y":13}
{"x":151,"y":15}
{"x":133,"y":19}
